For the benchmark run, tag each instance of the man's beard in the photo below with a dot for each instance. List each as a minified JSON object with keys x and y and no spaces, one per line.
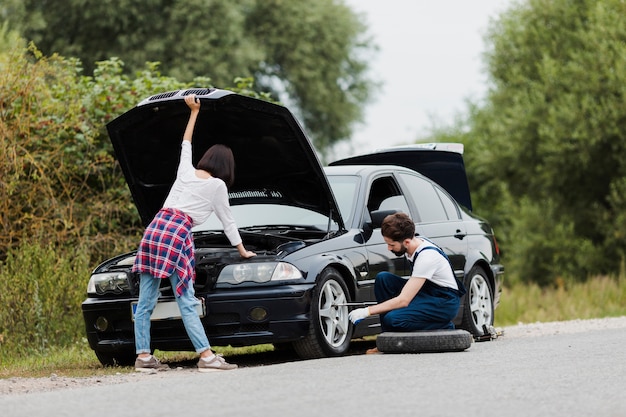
{"x":400,"y":252}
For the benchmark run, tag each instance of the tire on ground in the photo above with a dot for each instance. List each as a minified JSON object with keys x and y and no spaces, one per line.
{"x":425,"y":341}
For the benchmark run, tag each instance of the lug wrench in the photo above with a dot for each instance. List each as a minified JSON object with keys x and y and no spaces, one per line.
{"x":366,"y":303}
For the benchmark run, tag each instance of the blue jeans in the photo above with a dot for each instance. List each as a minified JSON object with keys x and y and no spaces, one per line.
{"x":148,"y":295}
{"x":433,"y":307}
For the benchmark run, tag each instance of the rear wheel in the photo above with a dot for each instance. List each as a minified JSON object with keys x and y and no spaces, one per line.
{"x":330,"y":330}
{"x":478,"y":308}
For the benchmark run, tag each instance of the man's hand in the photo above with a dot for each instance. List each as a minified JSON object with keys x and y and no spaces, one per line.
{"x":359,"y":314}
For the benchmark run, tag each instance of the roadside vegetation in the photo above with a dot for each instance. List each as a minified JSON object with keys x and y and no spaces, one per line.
{"x":544,"y":150}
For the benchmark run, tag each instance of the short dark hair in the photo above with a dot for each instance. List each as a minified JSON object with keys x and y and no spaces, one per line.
{"x":398,"y":227}
{"x":219,"y":161}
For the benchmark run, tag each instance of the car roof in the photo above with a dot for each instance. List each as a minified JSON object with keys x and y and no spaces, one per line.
{"x":364,"y":170}
{"x":442,"y":163}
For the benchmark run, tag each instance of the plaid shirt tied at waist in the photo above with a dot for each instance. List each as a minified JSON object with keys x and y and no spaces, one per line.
{"x":167,"y":248}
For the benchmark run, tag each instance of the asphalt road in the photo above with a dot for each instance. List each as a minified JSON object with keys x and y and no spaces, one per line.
{"x":579,"y":374}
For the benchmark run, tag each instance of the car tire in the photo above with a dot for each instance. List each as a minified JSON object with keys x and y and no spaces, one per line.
{"x":478,"y":308}
{"x":424,"y":341}
{"x":116,"y":359}
{"x":330,"y":330}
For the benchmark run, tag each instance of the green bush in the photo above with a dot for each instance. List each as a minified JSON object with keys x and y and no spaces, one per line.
{"x":41,"y":289}
{"x":61,"y":182}
{"x":545,"y":251}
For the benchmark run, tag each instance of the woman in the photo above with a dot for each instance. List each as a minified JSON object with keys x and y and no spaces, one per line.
{"x":166,"y":249}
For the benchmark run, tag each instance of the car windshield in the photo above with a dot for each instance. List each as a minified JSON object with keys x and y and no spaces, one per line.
{"x":249,"y":215}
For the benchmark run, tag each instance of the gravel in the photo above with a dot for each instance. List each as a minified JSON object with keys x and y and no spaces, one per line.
{"x":14,"y":386}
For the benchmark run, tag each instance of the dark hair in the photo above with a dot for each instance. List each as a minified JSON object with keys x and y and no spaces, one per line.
{"x":397,"y":227}
{"x":219,"y":161}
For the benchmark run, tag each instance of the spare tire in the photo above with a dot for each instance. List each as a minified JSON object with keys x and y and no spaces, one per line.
{"x":424,"y":341}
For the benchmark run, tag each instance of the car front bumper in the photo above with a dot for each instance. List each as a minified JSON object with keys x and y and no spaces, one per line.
{"x":239,"y":317}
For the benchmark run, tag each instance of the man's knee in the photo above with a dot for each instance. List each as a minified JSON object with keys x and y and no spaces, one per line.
{"x":398,"y":321}
{"x":385,"y":278}
{"x":387,"y":285}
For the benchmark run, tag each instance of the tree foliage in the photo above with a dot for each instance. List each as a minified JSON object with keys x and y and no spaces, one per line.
{"x":61,"y":183}
{"x":546,"y":148}
{"x":312,"y":55}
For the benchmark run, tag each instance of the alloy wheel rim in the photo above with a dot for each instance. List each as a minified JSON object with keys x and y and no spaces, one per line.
{"x":480,"y":301}
{"x":333,"y":317}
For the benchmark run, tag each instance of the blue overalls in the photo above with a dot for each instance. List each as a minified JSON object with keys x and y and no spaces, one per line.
{"x":434,"y":307}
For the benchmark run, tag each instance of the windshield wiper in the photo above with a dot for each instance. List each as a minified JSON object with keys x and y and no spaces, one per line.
{"x":274,"y":227}
{"x":207,"y":232}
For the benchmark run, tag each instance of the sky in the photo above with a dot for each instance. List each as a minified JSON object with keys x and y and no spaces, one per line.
{"x":429,"y":63}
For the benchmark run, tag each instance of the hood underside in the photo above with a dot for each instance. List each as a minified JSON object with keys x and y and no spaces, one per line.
{"x":442,"y":163}
{"x":274,"y":161}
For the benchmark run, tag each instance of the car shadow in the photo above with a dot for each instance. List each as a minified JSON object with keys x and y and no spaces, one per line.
{"x":275,"y":357}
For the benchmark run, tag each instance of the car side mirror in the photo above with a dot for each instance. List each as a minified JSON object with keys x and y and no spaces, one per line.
{"x":379,"y":215}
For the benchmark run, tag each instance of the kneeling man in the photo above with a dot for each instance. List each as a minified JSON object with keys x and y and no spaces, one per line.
{"x":429,"y":299}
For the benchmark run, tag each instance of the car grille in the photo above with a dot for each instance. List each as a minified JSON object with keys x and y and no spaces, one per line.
{"x":196,"y":91}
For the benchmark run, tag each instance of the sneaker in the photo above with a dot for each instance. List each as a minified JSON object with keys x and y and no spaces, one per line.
{"x":217,"y":363}
{"x":152,"y":365}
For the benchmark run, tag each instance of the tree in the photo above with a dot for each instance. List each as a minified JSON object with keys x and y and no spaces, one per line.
{"x":61,"y":183}
{"x":312,"y":55}
{"x":547,"y":146}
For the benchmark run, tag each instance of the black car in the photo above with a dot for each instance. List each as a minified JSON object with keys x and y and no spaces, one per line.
{"x":315,"y":231}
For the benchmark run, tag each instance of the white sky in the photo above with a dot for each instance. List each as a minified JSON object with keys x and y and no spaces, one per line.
{"x":429,"y":63}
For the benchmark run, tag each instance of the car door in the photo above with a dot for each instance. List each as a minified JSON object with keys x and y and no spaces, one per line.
{"x":437,"y":217}
{"x":384,"y":194}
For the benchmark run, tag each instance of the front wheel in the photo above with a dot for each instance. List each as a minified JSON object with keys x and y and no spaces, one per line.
{"x":478,"y":308}
{"x":330,"y":330}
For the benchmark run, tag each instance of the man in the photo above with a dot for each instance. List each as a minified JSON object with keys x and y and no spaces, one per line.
{"x":429,"y":299}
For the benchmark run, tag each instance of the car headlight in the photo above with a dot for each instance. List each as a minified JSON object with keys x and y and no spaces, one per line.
{"x":259,"y":272}
{"x":108,"y":282}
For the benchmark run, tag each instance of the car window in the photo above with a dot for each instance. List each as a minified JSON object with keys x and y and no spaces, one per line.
{"x":426,"y":199}
{"x":345,"y":188}
{"x":396,"y":202}
{"x":385,"y":194}
{"x":452,"y":210}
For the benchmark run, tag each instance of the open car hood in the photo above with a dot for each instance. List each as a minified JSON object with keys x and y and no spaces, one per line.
{"x":441,"y":162}
{"x":274,"y":160}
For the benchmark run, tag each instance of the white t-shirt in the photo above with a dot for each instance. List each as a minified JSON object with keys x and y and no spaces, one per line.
{"x":431,"y":265}
{"x":201,"y":197}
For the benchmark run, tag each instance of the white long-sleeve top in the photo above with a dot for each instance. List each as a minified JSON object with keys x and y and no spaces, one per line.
{"x":201,"y":197}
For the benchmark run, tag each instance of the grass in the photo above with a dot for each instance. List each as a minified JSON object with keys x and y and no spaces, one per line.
{"x":77,"y":360}
{"x":598,"y":297}
{"x":595,"y":298}
{"x":80,"y":361}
